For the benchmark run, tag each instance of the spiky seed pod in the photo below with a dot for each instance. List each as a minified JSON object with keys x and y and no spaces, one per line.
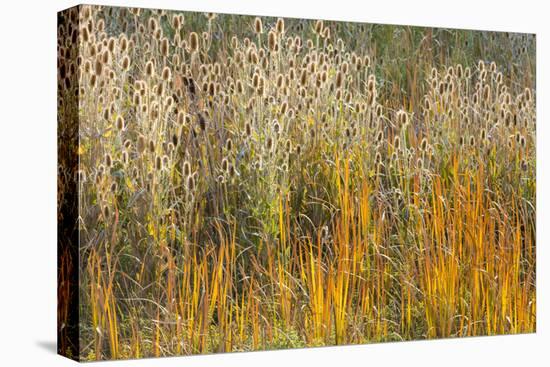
{"x":186,"y":168}
{"x":191,"y":183}
{"x":424,"y":144}
{"x":150,"y":69}
{"x":125,"y":157}
{"x":248,"y":129}
{"x":229,"y":145}
{"x":339,"y":79}
{"x":396,"y":142}
{"x":106,"y":213}
{"x":269,"y":143}
{"x":193,"y":42}
{"x":272,"y":40}
{"x":459,"y":71}
{"x":379,"y":137}
{"x":164,"y":47}
{"x":120,"y":123}
{"x":523,"y":142}
{"x":280,"y":26}
{"x":258,"y":27}
{"x":378,"y":158}
{"x":108,"y":160}
{"x":151,"y":146}
{"x":98,"y":67}
{"x":528,"y":95}
{"x":158,"y":163}
{"x":319,"y":26}
{"x":125,"y":64}
{"x":166,"y":74}
{"x":486,"y":93}
{"x":303,"y":78}
{"x":472,"y":141}
{"x":141,"y":144}
{"x":480,"y":65}
{"x":483,"y":135}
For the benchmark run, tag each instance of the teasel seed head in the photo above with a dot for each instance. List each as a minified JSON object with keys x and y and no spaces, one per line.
{"x":108,"y":160}
{"x":272,"y":40}
{"x":424,"y":144}
{"x":186,"y":168}
{"x":124,"y":157}
{"x":150,"y":69}
{"x":120,"y":123}
{"x":166,"y":74}
{"x":141,"y":144}
{"x":258,"y":27}
{"x":193,"y":42}
{"x":396,"y":143}
{"x":378,"y":158}
{"x":191,"y":183}
{"x":280,"y":26}
{"x":125,"y":63}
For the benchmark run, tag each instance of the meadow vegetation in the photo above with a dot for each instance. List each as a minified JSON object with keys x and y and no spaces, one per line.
{"x":259,"y":183}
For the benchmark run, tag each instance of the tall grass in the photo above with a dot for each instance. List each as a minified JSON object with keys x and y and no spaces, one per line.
{"x":259,"y":184}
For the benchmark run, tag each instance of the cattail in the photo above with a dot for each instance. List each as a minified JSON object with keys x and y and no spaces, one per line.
{"x":120,"y":123}
{"x":151,"y":146}
{"x":229,"y":145}
{"x":193,"y":42}
{"x":258,"y":27}
{"x":472,"y":141}
{"x":108,"y":160}
{"x":269,"y":143}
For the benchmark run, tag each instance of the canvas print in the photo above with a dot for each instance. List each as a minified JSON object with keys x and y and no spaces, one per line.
{"x":240,"y":183}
